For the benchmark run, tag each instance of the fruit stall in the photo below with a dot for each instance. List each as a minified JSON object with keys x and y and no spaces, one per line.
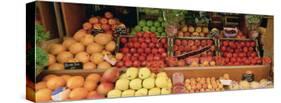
{"x":99,"y":51}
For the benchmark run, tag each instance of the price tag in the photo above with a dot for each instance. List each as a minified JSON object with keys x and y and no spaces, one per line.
{"x":226,"y":82}
{"x":73,"y":65}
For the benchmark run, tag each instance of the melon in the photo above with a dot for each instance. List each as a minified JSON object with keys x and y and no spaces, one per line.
{"x":46,"y":78}
{"x":87,"y":39}
{"x":55,"y":83}
{"x":43,"y":95}
{"x":56,"y":49}
{"x":103,"y":38}
{"x":94,"y":48}
{"x":75,"y":82}
{"x":97,"y":58}
{"x":76,"y":48}
{"x":64,"y":56}
{"x":79,"y":35}
{"x":65,"y":77}
{"x":40,"y":85}
{"x":90,"y":85}
{"x":68,"y":42}
{"x":56,"y":66}
{"x":104,"y":65}
{"x":93,"y":77}
{"x":51,"y":59}
{"x":110,"y":46}
{"x":82,"y":57}
{"x":78,"y":93}
{"x":89,"y":66}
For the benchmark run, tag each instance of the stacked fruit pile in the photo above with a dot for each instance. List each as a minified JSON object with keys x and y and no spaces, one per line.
{"x":203,"y":84}
{"x":204,"y":58}
{"x":263,"y":83}
{"x":67,"y":87}
{"x":85,"y":48}
{"x":157,"y":26}
{"x":190,"y":31}
{"x":239,"y":53}
{"x":141,"y":82}
{"x":144,"y":49}
{"x":98,"y":24}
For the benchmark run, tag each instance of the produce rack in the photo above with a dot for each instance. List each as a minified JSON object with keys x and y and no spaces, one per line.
{"x":72,"y":19}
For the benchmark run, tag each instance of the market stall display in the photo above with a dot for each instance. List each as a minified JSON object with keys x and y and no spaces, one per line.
{"x":166,"y":52}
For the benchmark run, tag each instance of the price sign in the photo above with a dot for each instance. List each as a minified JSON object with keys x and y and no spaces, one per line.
{"x":73,"y":65}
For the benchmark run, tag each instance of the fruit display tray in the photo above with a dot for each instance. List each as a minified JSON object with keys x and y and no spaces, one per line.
{"x":260,"y":71}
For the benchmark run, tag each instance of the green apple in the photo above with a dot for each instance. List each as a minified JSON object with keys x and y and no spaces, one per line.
{"x":136,"y":84}
{"x":160,"y":19}
{"x":122,"y":84}
{"x":123,"y":76}
{"x":144,"y":73}
{"x":166,"y":91}
{"x":160,"y":29}
{"x":154,"y":91}
{"x":161,"y":82}
{"x":145,"y":28}
{"x":148,"y":83}
{"x":128,"y":93}
{"x":142,"y":23}
{"x":132,"y":73}
{"x":163,"y":24}
{"x":137,"y":28}
{"x":160,"y":74}
{"x":114,"y":93}
{"x":153,"y":29}
{"x":149,"y":23}
{"x":157,"y":24}
{"x":141,"y":92}
{"x":163,"y":34}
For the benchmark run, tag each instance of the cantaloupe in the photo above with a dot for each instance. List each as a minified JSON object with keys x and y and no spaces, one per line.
{"x":82,"y":57}
{"x":89,"y":66}
{"x":78,"y":94}
{"x":104,"y":65}
{"x":94,"y":48}
{"x":97,"y":58}
{"x":64,"y":56}
{"x":110,"y":46}
{"x":76,"y":48}
{"x":55,"y":83}
{"x":49,"y":76}
{"x":93,"y":77}
{"x":87,"y":39}
{"x":56,"y":66}
{"x":40,"y":85}
{"x":51,"y":59}
{"x":56,"y":48}
{"x":68,"y":42}
{"x":90,"y":85}
{"x":79,"y":34}
{"x":103,"y":38}
{"x":65,"y":77}
{"x":43,"y":95}
{"x":75,"y":82}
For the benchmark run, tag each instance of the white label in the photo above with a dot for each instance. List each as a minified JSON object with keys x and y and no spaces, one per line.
{"x":226,"y":82}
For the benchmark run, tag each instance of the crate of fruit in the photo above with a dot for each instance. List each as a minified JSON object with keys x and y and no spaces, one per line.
{"x":195,"y":51}
{"x":239,"y":52}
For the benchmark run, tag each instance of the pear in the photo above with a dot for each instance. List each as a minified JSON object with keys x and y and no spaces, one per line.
{"x":166,"y":91}
{"x":148,"y":83}
{"x":128,"y":93}
{"x":162,"y":82}
{"x":162,"y":74}
{"x":144,"y":73}
{"x":136,"y":84}
{"x":154,"y":91}
{"x":114,"y":93}
{"x":132,"y":73}
{"x":141,"y":92}
{"x":122,"y":84}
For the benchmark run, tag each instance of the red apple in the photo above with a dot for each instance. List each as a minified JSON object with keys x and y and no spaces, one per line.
{"x":133,"y":50}
{"x":120,"y":64}
{"x":154,"y":51}
{"x":108,"y":15}
{"x":154,"y":40}
{"x":134,"y":39}
{"x":112,"y":22}
{"x":94,"y":20}
{"x":245,"y":49}
{"x":197,"y":42}
{"x":184,"y":42}
{"x":123,"y":40}
{"x":147,"y":50}
{"x":136,"y":45}
{"x":143,"y":45}
{"x":103,"y":21}
{"x":104,"y":88}
{"x":129,"y":45}
{"x":190,"y":42}
{"x":163,"y":41}
{"x":175,"y":48}
{"x":110,"y":75}
{"x":140,"y":50}
{"x":178,"y":42}
{"x":146,"y":35}
{"x":136,"y":63}
{"x":128,"y":63}
{"x":142,"y":58}
{"x":105,"y":27}
{"x":209,"y":42}
{"x":125,"y":50}
{"x":147,"y":40}
{"x":95,"y":95}
{"x":151,"y":45}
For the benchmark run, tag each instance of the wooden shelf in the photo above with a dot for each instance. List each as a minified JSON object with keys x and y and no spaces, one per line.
{"x":235,"y":72}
